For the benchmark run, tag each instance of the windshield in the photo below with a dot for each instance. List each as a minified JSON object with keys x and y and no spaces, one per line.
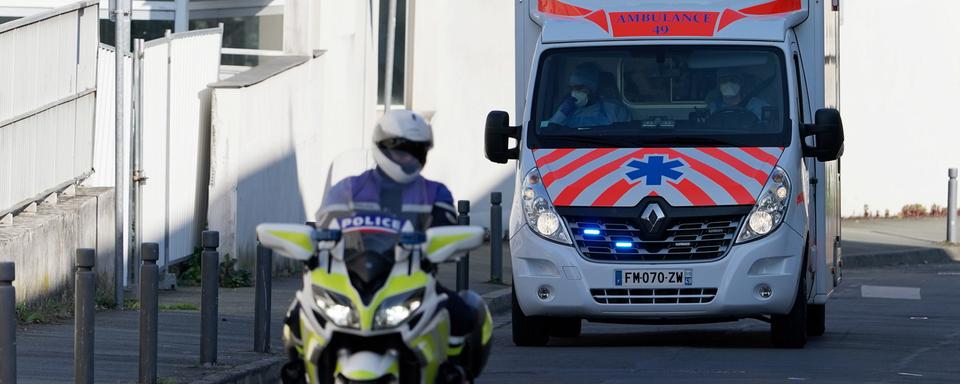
{"x":660,"y":96}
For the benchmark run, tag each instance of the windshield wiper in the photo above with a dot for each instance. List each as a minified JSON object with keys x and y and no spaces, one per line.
{"x":686,"y":141}
{"x":594,"y":140}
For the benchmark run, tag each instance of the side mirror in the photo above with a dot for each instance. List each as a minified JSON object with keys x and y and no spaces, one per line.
{"x":446,"y":243}
{"x":827,"y":130}
{"x":289,"y":240}
{"x":497,"y":138}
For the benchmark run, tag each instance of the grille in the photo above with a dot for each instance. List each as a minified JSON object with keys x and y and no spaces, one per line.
{"x":685,"y":239}
{"x":654,"y":296}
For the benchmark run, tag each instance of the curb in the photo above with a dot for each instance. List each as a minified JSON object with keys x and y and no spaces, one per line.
{"x":498,"y":301}
{"x":258,"y":372}
{"x":914,"y":256}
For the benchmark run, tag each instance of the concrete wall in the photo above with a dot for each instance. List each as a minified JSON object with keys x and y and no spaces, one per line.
{"x":43,"y":244}
{"x":463,"y":68}
{"x":900,"y":77}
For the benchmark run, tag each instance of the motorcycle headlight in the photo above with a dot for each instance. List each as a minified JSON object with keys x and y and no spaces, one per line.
{"x":771,"y":208}
{"x":337,"y":308}
{"x":397,"y":309}
{"x":539,"y":212}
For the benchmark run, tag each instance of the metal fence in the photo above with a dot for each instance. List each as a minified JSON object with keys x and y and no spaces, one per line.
{"x":175,"y":126}
{"x":48,"y":73}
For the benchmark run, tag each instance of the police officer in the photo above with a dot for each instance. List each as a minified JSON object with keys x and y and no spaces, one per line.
{"x":402,"y":139}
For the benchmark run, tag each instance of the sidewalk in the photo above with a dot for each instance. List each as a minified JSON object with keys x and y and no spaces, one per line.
{"x":887,"y":242}
{"x":45,"y":352}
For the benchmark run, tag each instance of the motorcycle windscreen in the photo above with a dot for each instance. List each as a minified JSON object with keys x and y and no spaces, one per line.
{"x":356,"y":185}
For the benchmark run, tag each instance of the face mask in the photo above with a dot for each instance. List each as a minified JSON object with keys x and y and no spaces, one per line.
{"x":729,"y":89}
{"x":580,"y":97}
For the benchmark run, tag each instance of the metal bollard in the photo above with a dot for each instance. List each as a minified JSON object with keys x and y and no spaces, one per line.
{"x":8,"y":324}
{"x":85,"y":308}
{"x":952,"y":206}
{"x":463,"y":266}
{"x":149,"y":279}
{"x":261,"y":306}
{"x":209,"y":296}
{"x":496,"y":237}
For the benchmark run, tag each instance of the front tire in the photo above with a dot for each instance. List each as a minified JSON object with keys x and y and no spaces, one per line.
{"x":816,"y":319}
{"x":528,"y":331}
{"x":790,"y":330}
{"x":564,"y":326}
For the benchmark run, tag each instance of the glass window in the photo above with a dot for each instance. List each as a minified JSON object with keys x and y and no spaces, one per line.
{"x":399,"y":56}
{"x":6,"y":19}
{"x":661,"y":96}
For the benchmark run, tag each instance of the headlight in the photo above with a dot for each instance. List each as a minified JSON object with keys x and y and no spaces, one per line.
{"x":770,"y":209}
{"x":337,"y":308}
{"x":540,"y":214}
{"x":397,"y":309}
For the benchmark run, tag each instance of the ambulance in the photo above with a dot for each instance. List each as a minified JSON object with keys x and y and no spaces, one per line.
{"x":677,"y":163}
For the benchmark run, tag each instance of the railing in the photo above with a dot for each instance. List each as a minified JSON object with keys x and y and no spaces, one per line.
{"x":48,"y":74}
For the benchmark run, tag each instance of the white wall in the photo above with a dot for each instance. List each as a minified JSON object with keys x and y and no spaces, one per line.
{"x":900,"y":82}
{"x":462,"y":69}
{"x":273,"y":141}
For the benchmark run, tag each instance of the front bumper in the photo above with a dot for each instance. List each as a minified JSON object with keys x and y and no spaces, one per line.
{"x":774,"y":261}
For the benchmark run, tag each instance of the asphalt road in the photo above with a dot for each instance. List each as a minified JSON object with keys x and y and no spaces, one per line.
{"x":894,"y":325}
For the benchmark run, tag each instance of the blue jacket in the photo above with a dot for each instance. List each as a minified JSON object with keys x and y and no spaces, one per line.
{"x":430,"y":202}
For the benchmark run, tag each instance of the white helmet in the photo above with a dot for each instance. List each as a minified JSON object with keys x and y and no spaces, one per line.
{"x":401,"y":140}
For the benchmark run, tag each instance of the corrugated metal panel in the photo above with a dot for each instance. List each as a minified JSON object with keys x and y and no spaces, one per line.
{"x":105,"y":134}
{"x":154,"y":99}
{"x":195,"y":63}
{"x":176,"y":72}
{"x":47,"y":100}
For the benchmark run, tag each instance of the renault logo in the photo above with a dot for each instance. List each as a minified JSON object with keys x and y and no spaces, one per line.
{"x":652,"y":216}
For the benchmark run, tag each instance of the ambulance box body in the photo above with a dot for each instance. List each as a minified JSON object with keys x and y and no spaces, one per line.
{"x":677,"y":162}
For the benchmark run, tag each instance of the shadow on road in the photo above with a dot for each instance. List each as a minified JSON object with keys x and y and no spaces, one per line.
{"x":699,"y":338}
{"x":858,"y":254}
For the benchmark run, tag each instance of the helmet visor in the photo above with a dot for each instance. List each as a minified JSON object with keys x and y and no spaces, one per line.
{"x":410,"y":155}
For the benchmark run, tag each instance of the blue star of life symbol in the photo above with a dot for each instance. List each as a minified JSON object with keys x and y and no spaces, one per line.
{"x":654,"y":169}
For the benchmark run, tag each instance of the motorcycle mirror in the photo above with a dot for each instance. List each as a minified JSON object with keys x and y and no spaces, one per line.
{"x":295,"y":241}
{"x":448,"y":243}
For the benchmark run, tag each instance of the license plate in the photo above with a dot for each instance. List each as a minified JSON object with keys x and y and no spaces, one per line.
{"x":653,"y":278}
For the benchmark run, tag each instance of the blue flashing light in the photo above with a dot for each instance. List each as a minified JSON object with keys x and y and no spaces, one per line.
{"x":623,"y":244}
{"x":591,"y":232}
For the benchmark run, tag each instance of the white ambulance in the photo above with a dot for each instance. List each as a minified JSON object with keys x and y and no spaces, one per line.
{"x":677,"y":162}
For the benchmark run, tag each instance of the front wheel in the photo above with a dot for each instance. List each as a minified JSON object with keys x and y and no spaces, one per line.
{"x":528,"y":331}
{"x":816,"y":319}
{"x":790,"y":330}
{"x":564,"y":326}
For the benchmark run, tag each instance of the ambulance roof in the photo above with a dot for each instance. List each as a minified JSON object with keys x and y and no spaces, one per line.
{"x":593,"y":20}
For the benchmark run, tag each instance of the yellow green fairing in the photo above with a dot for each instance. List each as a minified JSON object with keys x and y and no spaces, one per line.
{"x":443,"y":241}
{"x":434,"y":346}
{"x":308,"y":337}
{"x":395,"y":285}
{"x":487,"y":331}
{"x":299,"y":239}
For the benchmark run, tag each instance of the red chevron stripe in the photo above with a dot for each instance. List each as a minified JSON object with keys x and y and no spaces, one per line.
{"x":553,"y":156}
{"x":692,"y":192}
{"x":739,"y":194}
{"x":759,"y":154}
{"x":756,"y":174}
{"x":572,"y":191}
{"x":613,"y":194}
{"x":551,"y":177}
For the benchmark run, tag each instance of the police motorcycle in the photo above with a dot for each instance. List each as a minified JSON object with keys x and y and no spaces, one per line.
{"x":369,"y":310}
